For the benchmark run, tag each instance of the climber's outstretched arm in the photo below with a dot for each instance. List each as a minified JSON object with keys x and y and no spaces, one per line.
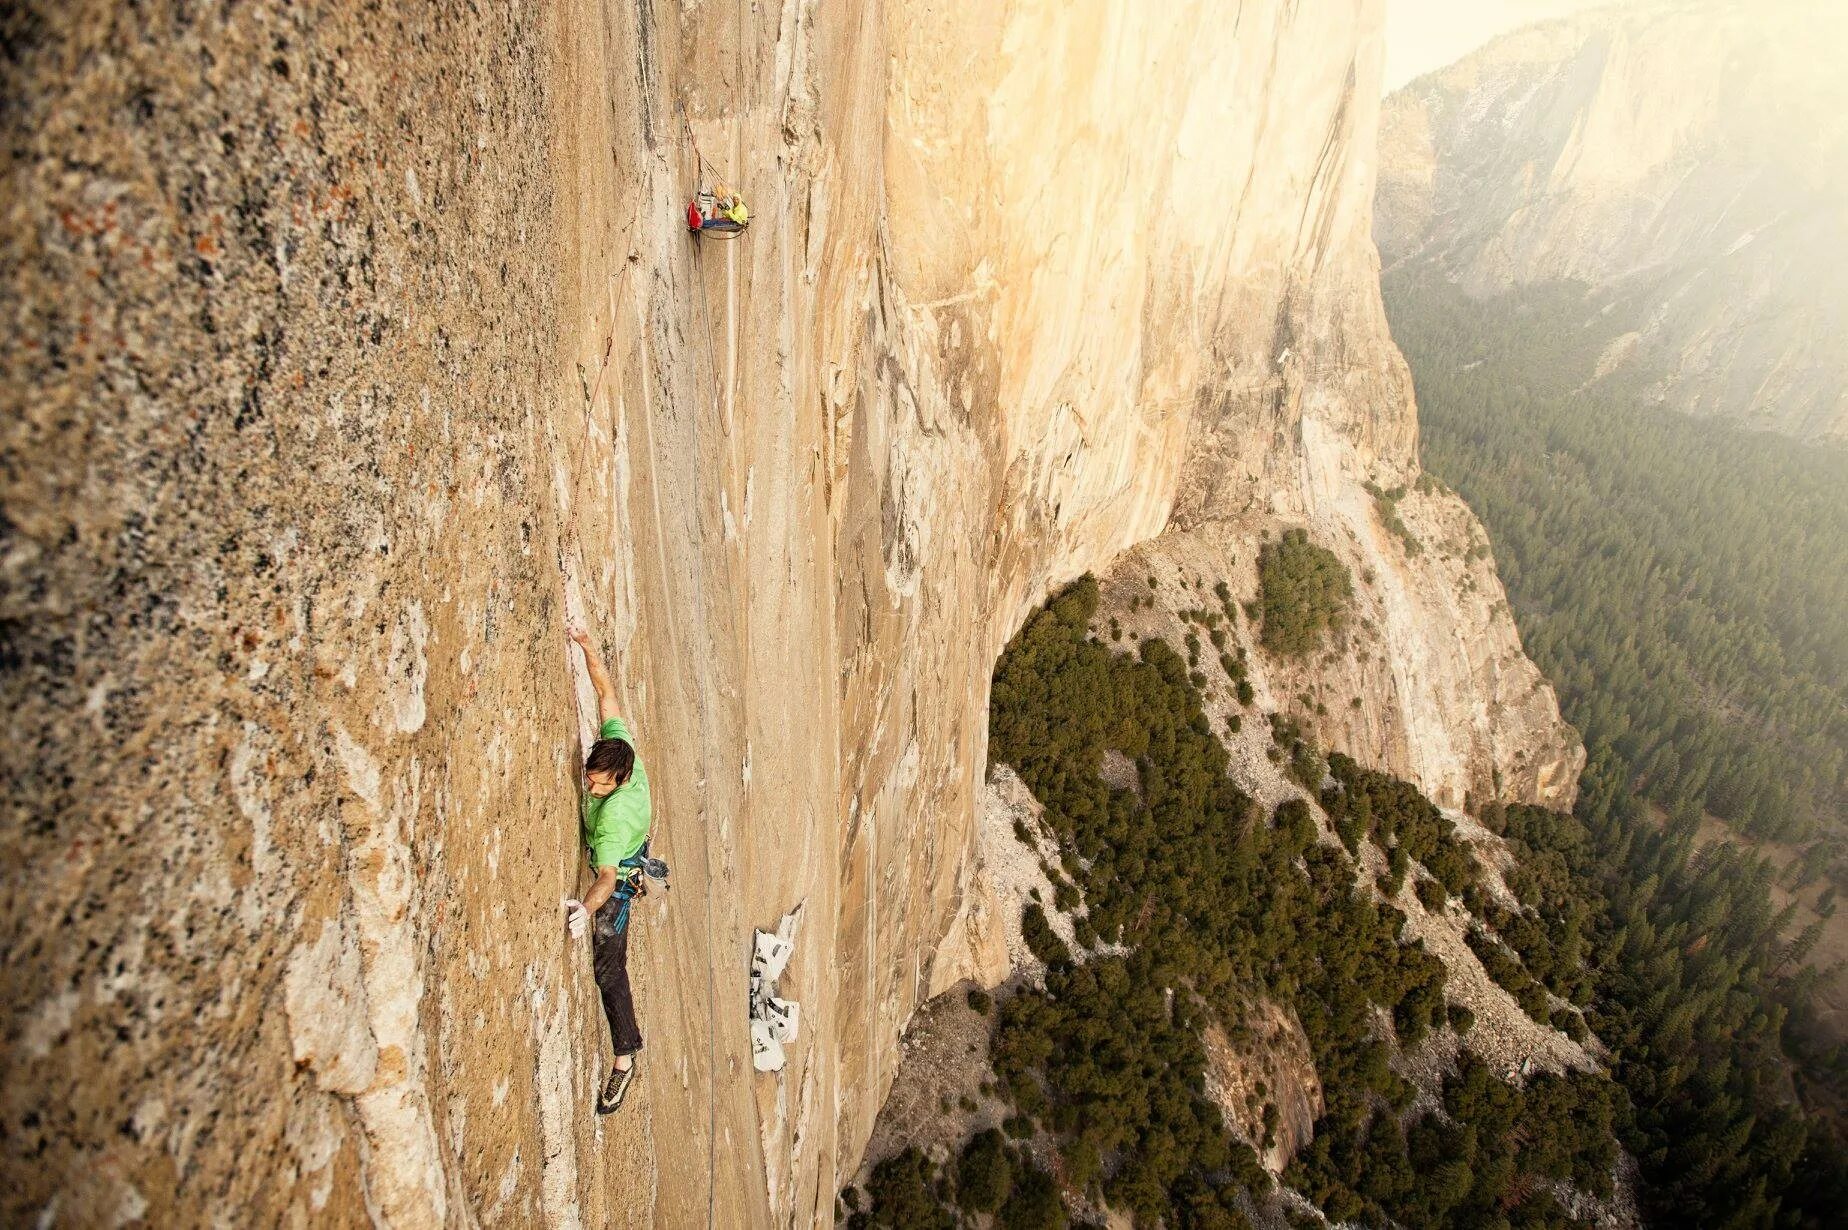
{"x":599,"y":678}
{"x":600,"y":889}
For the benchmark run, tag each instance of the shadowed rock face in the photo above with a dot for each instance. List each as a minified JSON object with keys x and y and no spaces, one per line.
{"x":1685,"y":165}
{"x":354,"y":352}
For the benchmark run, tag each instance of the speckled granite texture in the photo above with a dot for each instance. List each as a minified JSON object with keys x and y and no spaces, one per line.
{"x":277,"y":306}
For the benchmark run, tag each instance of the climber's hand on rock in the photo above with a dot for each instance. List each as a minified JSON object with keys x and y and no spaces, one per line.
{"x":578,"y":633}
{"x":577,"y":918}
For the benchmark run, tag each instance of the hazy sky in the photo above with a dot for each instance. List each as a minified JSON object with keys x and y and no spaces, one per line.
{"x":1425,"y":34}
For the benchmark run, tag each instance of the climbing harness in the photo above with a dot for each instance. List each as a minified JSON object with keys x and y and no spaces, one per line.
{"x":638,"y":869}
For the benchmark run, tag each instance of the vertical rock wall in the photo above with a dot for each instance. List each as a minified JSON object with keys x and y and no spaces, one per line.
{"x":355,"y":351}
{"x":280,"y":601}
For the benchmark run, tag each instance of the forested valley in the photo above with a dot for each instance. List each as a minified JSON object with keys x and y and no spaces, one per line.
{"x":1683,"y":583}
{"x":1193,"y":908}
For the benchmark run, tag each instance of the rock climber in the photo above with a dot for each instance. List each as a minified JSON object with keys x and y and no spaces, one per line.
{"x":731,"y":205}
{"x":719,"y":210}
{"x":615,"y":815}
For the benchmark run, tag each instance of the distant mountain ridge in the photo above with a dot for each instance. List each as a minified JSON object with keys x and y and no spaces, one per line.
{"x":1687,"y":164}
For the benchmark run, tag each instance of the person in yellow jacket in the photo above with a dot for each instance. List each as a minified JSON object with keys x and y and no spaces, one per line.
{"x":728,"y":210}
{"x":719,"y":210}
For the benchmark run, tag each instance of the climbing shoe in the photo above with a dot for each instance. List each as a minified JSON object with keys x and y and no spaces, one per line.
{"x":615,"y":1089}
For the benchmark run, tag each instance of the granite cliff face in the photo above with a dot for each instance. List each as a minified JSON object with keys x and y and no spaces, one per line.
{"x":1685,"y":165}
{"x":354,"y":353}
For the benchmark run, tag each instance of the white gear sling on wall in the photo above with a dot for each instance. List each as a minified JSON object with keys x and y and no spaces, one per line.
{"x":774,"y":1021}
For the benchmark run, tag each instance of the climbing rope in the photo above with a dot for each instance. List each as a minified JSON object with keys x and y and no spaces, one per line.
{"x":704,"y":167}
{"x":712,"y":987}
{"x":712,"y":362}
{"x":705,"y":318}
{"x":699,"y":600}
{"x":702,"y":164}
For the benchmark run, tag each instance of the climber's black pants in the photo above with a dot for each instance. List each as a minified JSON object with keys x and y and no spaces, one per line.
{"x":609,"y":958}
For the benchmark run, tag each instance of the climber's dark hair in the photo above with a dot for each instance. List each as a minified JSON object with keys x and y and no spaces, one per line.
{"x":613,"y":756}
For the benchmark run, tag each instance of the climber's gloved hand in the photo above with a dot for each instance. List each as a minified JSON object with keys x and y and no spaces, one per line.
{"x":577,"y":918}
